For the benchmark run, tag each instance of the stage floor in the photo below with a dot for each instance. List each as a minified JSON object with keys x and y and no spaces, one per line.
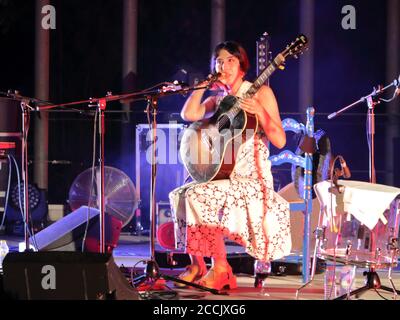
{"x":134,"y":251}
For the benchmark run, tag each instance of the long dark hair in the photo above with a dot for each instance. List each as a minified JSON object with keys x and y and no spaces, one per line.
{"x":234,"y":49}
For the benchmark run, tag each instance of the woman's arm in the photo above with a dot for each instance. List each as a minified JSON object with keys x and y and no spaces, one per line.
{"x":194,"y":109}
{"x":265,"y":106}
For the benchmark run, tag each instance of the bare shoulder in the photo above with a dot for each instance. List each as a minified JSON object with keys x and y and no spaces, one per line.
{"x":266,"y":96}
{"x":265,"y":91}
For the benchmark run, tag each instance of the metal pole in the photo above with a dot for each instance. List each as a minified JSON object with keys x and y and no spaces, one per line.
{"x":129,"y":78}
{"x":102,"y":108}
{"x":306,"y":98}
{"x":129,"y":49}
{"x":392,"y":70}
{"x":42,"y":75}
{"x":24,"y":166}
{"x":306,"y":67}
{"x":371,"y":138}
{"x":217,"y":22}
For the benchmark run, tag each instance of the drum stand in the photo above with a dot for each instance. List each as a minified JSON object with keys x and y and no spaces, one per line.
{"x":372,"y":282}
{"x":372,"y":278}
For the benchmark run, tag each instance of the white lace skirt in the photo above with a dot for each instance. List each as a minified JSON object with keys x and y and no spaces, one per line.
{"x":244,"y":208}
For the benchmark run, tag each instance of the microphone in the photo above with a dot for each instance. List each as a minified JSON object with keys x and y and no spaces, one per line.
{"x":345,"y":168}
{"x":174,"y":86}
{"x":211,"y":78}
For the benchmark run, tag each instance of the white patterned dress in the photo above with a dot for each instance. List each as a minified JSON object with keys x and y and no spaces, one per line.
{"x":245,"y":208}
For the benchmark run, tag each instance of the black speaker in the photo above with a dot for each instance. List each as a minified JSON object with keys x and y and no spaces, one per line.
{"x":64,"y":276}
{"x":67,"y":233}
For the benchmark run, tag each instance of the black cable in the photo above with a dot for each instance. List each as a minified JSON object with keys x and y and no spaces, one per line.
{"x":20,"y":206}
{"x":152,"y":295}
{"x":380,"y":295}
{"x":7,"y":191}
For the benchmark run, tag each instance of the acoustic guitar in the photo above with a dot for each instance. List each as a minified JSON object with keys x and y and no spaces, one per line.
{"x":209,"y":147}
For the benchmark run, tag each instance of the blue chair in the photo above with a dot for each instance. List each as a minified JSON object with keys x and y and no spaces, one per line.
{"x":305,"y":162}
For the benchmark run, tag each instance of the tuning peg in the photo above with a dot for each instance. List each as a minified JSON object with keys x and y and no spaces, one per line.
{"x":281,"y":67}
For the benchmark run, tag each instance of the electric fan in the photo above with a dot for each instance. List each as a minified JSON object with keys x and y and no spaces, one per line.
{"x":120,"y":197}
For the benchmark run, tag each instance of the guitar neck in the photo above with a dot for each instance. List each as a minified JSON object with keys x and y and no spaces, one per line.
{"x":264,"y":76}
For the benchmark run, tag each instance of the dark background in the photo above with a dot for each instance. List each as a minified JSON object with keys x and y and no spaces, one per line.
{"x":86,"y":61}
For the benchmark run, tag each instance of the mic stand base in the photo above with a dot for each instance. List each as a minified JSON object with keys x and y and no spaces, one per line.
{"x":152,"y":274}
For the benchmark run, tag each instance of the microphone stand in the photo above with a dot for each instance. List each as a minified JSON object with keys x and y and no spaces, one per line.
{"x":100,"y":104}
{"x":101,"y":107}
{"x":25,"y":118}
{"x":25,"y":108}
{"x":372,"y":281}
{"x":372,"y":100}
{"x":152,"y":271}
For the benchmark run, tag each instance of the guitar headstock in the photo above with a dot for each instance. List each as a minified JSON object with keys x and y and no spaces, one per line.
{"x":297,"y":47}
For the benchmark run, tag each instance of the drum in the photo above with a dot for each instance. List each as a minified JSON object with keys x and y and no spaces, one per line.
{"x":360,"y":224}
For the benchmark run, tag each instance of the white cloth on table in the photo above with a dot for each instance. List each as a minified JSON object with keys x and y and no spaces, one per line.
{"x":365,"y":201}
